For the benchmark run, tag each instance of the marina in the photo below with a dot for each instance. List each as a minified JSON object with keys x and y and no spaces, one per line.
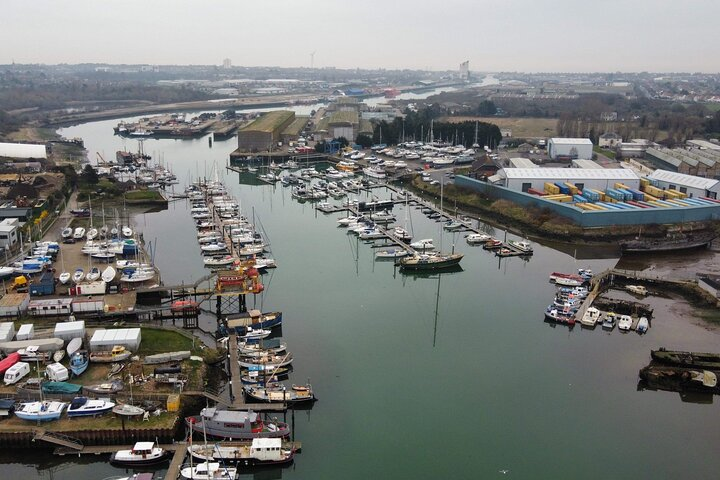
{"x":344,"y":335}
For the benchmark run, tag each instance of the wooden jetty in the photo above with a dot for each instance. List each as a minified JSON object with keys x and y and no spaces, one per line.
{"x":237,"y":398}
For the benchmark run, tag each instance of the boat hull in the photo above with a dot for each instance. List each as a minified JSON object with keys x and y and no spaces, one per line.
{"x":684,"y":242}
{"x":140,"y":462}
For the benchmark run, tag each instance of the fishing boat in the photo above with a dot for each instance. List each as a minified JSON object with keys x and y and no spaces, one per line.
{"x":558,"y":315}
{"x":42,"y":411}
{"x":686,"y":359}
{"x":261,"y":451}
{"x":74,"y":345}
{"x":108,"y":275}
{"x":117,"y":354}
{"x":84,"y":407}
{"x":78,"y":275}
{"x":590,"y":317}
{"x":93,"y":274}
{"x":142,"y":454}
{"x":254,"y":319}
{"x":434,"y":261}
{"x":280,"y":393}
{"x":105,"y":388}
{"x":233,"y":424}
{"x":208,"y":471}
{"x":79,"y":362}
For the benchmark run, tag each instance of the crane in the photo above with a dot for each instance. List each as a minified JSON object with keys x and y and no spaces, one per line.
{"x":100,"y":158}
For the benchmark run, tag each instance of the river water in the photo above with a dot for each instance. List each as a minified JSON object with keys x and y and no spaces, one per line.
{"x":436,"y":376}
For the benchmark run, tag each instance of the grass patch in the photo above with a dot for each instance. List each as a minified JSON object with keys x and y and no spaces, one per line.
{"x":521,"y":127}
{"x":158,"y":340}
{"x":143,"y":195}
{"x":108,"y":421}
{"x":605,"y":152}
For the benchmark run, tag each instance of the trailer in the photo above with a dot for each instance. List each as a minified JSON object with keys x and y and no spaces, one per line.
{"x":50,"y":307}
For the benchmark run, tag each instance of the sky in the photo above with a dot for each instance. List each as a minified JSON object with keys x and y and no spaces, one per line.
{"x":500,"y":35}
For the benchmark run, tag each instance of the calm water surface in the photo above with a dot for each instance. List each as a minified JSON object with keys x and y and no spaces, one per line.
{"x":437,"y":376}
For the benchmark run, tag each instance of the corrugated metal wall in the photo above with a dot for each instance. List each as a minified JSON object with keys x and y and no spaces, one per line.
{"x":599,"y":218}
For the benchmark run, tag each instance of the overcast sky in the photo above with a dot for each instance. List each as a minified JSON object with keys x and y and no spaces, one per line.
{"x":501,"y":35}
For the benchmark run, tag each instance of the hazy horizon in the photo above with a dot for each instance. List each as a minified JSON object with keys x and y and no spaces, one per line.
{"x":542,"y":36}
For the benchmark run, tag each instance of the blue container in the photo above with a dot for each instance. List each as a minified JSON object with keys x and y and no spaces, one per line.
{"x":580,"y":199}
{"x":563,"y":189}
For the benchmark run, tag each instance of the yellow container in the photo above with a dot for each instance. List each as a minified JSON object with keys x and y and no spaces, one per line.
{"x":173,"y":403}
{"x":644,"y":182}
{"x":573,"y":188}
{"x":551,"y":188}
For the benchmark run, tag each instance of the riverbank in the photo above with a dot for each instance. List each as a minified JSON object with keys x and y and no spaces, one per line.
{"x":530,"y":221}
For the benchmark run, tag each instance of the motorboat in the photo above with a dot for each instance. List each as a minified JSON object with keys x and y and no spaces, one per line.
{"x":234,"y":424}
{"x":280,"y":393}
{"x":375,"y":172}
{"x":453,"y":225}
{"x":42,"y":411}
{"x":559,"y":315}
{"x":625,"y":323}
{"x":522,"y":246}
{"x":261,"y":451}
{"x":117,"y":354}
{"x":345,"y":221}
{"x":643,"y":325}
{"x":477,"y":238}
{"x":78,"y":275}
{"x":108,"y":275}
{"x":79,"y":362}
{"x":219,"y":261}
{"x":64,"y":277}
{"x":609,"y":321}
{"x":402,"y":234}
{"x":105,"y":388}
{"x":382,"y":216}
{"x":637,"y":289}
{"x":93,"y":274}
{"x":590,"y":317}
{"x":208,"y":471}
{"x":424,"y":244}
{"x":84,"y":407}
{"x":142,"y":454}
{"x":391,"y":252}
{"x":255,"y":334}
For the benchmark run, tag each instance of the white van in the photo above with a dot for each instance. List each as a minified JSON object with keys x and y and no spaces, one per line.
{"x":56,"y":372}
{"x":16,"y":372}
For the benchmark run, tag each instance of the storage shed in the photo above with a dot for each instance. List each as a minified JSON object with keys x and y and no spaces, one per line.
{"x":50,"y":307}
{"x":26,"y":331}
{"x":69,"y":330}
{"x":520,"y":162}
{"x":14,"y":304}
{"x":570,"y":148}
{"x":106,"y":339}
{"x":7,"y":331}
{"x":690,"y":184}
{"x":22,"y":150}
{"x":523,"y":179}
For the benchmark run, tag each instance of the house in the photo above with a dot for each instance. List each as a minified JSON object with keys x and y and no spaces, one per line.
{"x":609,"y":140}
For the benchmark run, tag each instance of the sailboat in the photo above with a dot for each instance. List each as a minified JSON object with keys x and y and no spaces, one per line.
{"x":78,"y":275}
{"x":64,"y":276}
{"x":40,"y":411}
{"x":93,"y":274}
{"x":434,"y":260}
{"x":108,"y":275}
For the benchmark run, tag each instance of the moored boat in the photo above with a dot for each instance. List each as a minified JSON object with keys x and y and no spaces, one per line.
{"x":686,"y":359}
{"x":280,"y":393}
{"x":680,"y":379}
{"x":142,"y":453}
{"x":590,"y":317}
{"x":208,"y":471}
{"x":558,"y":315}
{"x":233,"y":424}
{"x":261,"y":451}
{"x":435,"y":261}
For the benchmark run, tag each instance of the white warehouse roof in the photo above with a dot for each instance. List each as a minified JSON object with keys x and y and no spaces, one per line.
{"x":22,"y":150}
{"x":571,"y":141}
{"x":682,"y":179}
{"x":571,"y":173}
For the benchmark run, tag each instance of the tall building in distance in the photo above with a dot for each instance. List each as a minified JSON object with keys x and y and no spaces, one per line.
{"x":465,"y":70}
{"x":227,"y":63}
